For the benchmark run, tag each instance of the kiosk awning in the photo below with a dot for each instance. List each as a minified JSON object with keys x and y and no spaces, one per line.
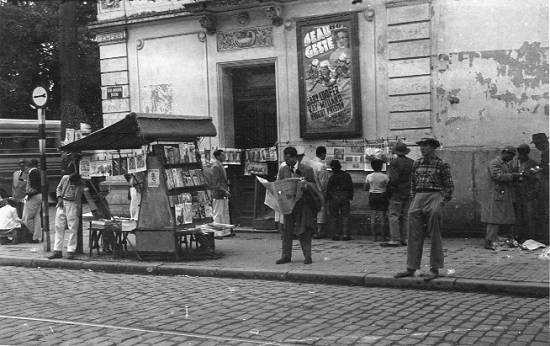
{"x":137,"y":129}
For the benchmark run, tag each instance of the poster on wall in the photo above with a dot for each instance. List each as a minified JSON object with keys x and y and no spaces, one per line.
{"x":328,"y":67}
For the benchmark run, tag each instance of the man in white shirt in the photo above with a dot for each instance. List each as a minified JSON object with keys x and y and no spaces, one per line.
{"x":10,"y":223}
{"x":322,"y":175}
{"x":19,"y":186}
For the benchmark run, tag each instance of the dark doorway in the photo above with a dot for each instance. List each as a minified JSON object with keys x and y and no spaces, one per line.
{"x":255,"y":126}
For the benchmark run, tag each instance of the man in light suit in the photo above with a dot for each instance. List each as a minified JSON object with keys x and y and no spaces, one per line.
{"x":19,"y":186}
{"x":220,"y":189}
{"x":302,"y":219}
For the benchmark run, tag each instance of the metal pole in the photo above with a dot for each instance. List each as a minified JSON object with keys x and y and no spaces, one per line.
{"x":44,"y":178}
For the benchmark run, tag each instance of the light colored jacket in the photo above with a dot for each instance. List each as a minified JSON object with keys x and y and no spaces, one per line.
{"x":19,"y":185}
{"x":498,"y":207}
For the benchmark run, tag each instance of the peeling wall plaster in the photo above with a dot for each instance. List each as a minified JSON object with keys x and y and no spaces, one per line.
{"x":502,"y":95}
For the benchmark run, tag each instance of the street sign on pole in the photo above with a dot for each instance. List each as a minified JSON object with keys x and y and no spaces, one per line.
{"x":39,"y":99}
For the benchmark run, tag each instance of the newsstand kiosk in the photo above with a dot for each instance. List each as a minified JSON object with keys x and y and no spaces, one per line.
{"x":175,"y":196}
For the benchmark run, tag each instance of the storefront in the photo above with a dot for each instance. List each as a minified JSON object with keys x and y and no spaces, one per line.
{"x":334,"y":73}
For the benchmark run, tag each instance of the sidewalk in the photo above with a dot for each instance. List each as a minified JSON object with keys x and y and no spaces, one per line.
{"x":361,"y":261}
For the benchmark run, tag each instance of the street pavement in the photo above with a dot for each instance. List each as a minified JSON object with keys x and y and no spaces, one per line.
{"x":80,"y":307}
{"x":468,"y":266}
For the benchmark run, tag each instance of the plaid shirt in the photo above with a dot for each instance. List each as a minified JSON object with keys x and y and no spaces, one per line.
{"x":432,"y":174}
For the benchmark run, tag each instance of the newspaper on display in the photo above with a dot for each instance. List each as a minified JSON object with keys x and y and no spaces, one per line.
{"x":112,"y":163}
{"x":255,"y":160}
{"x":232,"y":156}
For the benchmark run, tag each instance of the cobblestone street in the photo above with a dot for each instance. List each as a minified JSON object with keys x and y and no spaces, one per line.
{"x":50,"y":306}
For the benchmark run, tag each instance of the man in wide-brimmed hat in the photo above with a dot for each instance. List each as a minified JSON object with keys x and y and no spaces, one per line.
{"x":540,"y":140}
{"x":431,"y":187}
{"x":498,"y":209}
{"x":399,"y":172}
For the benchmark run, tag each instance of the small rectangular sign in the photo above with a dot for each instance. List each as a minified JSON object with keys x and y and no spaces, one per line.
{"x":114,"y":92}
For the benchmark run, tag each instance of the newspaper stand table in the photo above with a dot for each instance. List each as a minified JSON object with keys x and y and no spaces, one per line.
{"x":157,"y":230}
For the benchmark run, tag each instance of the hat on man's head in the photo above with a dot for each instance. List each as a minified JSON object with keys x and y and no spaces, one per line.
{"x":301,"y":150}
{"x":539,"y":137}
{"x":524,"y":148}
{"x":401,"y":148}
{"x":429,"y":140}
{"x":509,"y":149}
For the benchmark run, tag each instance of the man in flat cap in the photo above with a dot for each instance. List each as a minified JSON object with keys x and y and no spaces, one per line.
{"x":526,"y":193}
{"x":498,"y":208}
{"x":540,"y":140}
{"x":431,"y":187}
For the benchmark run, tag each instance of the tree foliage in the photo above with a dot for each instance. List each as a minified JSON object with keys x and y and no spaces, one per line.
{"x":31,"y":38}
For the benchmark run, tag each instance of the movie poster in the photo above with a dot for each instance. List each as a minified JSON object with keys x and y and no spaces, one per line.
{"x":330,"y":104}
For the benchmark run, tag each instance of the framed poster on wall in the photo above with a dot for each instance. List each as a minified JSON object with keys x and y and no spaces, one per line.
{"x":329,"y":79}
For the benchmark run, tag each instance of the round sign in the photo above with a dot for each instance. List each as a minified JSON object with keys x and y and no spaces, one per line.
{"x":39,"y":96}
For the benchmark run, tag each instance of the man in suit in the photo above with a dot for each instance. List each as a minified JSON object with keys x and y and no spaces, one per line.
{"x":220,"y":189}
{"x":19,"y":186}
{"x":302,"y":219}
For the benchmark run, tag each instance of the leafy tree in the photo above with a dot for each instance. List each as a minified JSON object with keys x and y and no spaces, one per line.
{"x":41,"y":44}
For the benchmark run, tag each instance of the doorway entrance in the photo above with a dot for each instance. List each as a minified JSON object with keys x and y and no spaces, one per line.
{"x":254,"y":113}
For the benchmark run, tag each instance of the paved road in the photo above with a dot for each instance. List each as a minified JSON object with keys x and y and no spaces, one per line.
{"x":50,"y":306}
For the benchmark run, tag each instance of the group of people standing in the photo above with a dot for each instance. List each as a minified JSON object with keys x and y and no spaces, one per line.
{"x":21,"y":213}
{"x":517,"y":199}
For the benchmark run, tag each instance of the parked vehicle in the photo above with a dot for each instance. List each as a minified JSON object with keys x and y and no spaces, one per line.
{"x":19,"y":140}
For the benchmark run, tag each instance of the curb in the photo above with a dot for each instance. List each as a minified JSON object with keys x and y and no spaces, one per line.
{"x":529,"y":289}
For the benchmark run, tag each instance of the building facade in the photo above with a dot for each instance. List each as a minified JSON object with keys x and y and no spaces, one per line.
{"x":472,"y":73}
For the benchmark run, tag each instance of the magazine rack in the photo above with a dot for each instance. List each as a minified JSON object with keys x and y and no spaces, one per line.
{"x":175,"y":198}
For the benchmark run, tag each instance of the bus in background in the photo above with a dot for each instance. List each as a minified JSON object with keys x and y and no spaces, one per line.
{"x":19,"y":141}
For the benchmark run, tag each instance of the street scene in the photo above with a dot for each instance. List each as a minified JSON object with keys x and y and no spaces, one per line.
{"x":289,"y":172}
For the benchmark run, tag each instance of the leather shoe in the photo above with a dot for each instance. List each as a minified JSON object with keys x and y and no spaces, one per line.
{"x":346,"y":238}
{"x":434,"y":273}
{"x":336,"y":238}
{"x":404,"y":274}
{"x":55,"y":254}
{"x":308,"y":260}
{"x":490,"y":246}
{"x":70,"y":255}
{"x":283,"y":260}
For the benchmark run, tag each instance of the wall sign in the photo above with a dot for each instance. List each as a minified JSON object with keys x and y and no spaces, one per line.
{"x":114,"y":92}
{"x":328,"y":67}
{"x":245,"y":38}
{"x":110,"y":36}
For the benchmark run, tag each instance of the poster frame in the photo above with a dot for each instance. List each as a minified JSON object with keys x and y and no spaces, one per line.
{"x":356,"y":131}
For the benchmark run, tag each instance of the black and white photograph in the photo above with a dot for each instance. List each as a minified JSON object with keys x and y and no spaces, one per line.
{"x":274,"y":172}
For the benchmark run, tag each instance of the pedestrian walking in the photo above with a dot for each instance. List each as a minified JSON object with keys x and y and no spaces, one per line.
{"x":322,"y":175}
{"x":431,"y":187}
{"x":19,"y":187}
{"x":338,"y":197}
{"x":68,"y":210}
{"x":540,"y":140}
{"x":301,"y":222}
{"x":33,"y":202}
{"x":376,"y":184}
{"x":399,"y":172}
{"x":220,"y":189}
{"x":525,"y":194}
{"x":498,"y":208}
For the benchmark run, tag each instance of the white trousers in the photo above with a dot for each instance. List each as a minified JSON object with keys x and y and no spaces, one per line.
{"x":66,"y":218}
{"x":135,"y":200}
{"x":220,"y":210}
{"x":31,"y":216}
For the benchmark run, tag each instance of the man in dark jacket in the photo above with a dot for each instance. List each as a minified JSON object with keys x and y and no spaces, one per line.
{"x":399,"y":172}
{"x":33,"y":203}
{"x":302,"y":219}
{"x":540,"y":140}
{"x":339,"y":195}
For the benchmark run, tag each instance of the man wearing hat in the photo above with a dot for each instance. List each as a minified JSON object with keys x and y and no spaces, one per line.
{"x":540,"y":140}
{"x":526,"y":193}
{"x":399,"y":172}
{"x":431,"y":187}
{"x":498,"y":209}
{"x":19,"y":186}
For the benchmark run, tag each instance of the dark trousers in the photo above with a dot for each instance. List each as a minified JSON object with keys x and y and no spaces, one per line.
{"x":425,"y":209}
{"x":19,"y":207}
{"x":288,"y":235}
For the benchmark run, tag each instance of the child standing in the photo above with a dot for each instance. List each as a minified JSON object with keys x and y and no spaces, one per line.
{"x":376,"y":183}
